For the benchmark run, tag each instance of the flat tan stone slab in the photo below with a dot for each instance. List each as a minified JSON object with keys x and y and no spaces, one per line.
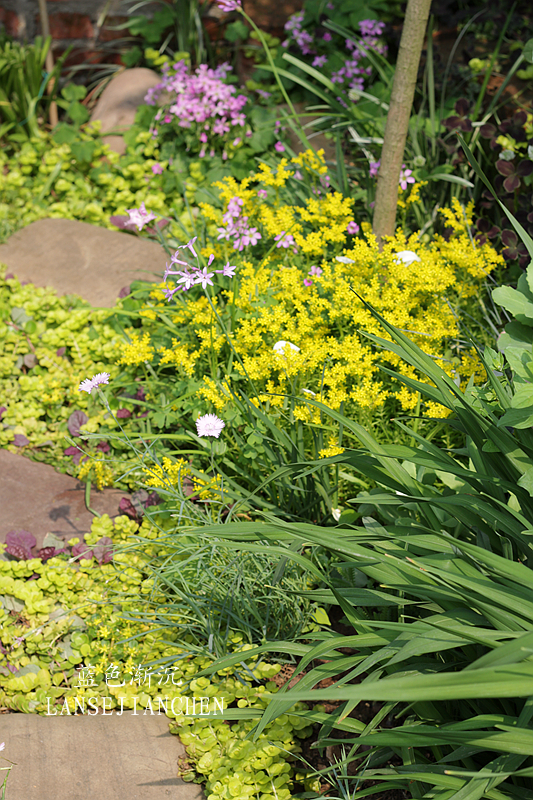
{"x":101,"y":757}
{"x":36,"y":498}
{"x":118,"y":103}
{"x":77,"y":258}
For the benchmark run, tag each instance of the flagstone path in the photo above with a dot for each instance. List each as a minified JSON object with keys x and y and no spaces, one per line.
{"x":106,"y":757}
{"x":128,"y":757}
{"x":77,"y":258}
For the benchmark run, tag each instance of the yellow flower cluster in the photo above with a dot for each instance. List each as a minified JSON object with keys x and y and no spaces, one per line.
{"x":310,"y":299}
{"x":179,"y":473}
{"x":138,"y":350}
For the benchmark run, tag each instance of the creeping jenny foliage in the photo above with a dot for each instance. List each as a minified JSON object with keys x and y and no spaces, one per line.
{"x":57,"y":617}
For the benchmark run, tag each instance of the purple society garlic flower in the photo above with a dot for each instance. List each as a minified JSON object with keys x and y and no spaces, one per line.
{"x":352,"y":227}
{"x":91,"y":383}
{"x":210,"y":425}
{"x":204,"y":277}
{"x":140,"y":216}
{"x":319,"y":61}
{"x":374,"y":168}
{"x":227,"y":271}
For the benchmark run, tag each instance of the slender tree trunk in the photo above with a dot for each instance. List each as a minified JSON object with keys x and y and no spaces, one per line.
{"x":45,"y":27}
{"x":397,"y":125}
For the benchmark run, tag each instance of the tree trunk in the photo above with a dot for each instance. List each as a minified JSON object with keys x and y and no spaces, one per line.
{"x":397,"y":125}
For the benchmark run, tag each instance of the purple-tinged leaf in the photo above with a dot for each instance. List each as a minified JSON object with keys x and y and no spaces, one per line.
{"x":81,"y":550}
{"x":123,"y":413}
{"x":3,"y":410}
{"x":104,"y":447}
{"x":103,"y":550}
{"x":124,"y":292}
{"x":126,"y":507}
{"x":75,"y":422}
{"x":19,"y":440}
{"x":505,"y":167}
{"x":19,"y":544}
{"x":75,"y":452}
{"x":509,"y":238}
{"x":512,"y":183}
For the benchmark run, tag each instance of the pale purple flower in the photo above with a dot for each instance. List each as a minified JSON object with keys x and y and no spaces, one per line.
{"x":298,"y":175}
{"x":228,"y":5}
{"x":406,"y":177}
{"x":140,"y":216}
{"x":185,"y":281}
{"x":227,"y":271}
{"x":315,"y":271}
{"x":91,"y":383}
{"x":308,"y":282}
{"x":211,"y":259}
{"x":374,"y":168}
{"x":262,"y":193}
{"x":203,"y":137}
{"x":319,"y":61}
{"x":204,"y":277}
{"x":210,"y":425}
{"x":352,"y":227}
{"x":237,"y":141}
{"x":327,"y":37}
{"x":284,"y":240}
{"x":251,"y":236}
{"x":157,"y":169}
{"x":190,"y":246}
{"x":279,"y":147}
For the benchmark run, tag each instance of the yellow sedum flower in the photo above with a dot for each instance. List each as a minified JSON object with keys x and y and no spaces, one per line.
{"x":138,"y":350}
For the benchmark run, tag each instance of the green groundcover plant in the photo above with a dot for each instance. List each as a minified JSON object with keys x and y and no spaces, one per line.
{"x":74,"y":640}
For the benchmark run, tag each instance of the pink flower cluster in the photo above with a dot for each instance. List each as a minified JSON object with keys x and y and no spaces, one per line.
{"x":406,"y":175}
{"x":191,"y":274}
{"x":201,"y":98}
{"x":236,"y":226}
{"x":315,"y":272}
{"x":351,"y":73}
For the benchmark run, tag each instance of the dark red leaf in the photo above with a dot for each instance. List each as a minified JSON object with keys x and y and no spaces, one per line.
{"x":505,"y":167}
{"x":20,"y":544}
{"x":75,"y":421}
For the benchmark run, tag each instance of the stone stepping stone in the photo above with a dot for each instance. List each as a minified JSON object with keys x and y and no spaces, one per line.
{"x":77,"y":258}
{"x":128,"y":757}
{"x":118,"y":103}
{"x":36,"y":498}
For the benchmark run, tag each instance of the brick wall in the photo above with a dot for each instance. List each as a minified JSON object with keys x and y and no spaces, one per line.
{"x":75,"y":22}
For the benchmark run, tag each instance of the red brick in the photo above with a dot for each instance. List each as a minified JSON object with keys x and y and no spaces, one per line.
{"x":107,"y":35}
{"x":67,"y":25}
{"x":10,"y":21}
